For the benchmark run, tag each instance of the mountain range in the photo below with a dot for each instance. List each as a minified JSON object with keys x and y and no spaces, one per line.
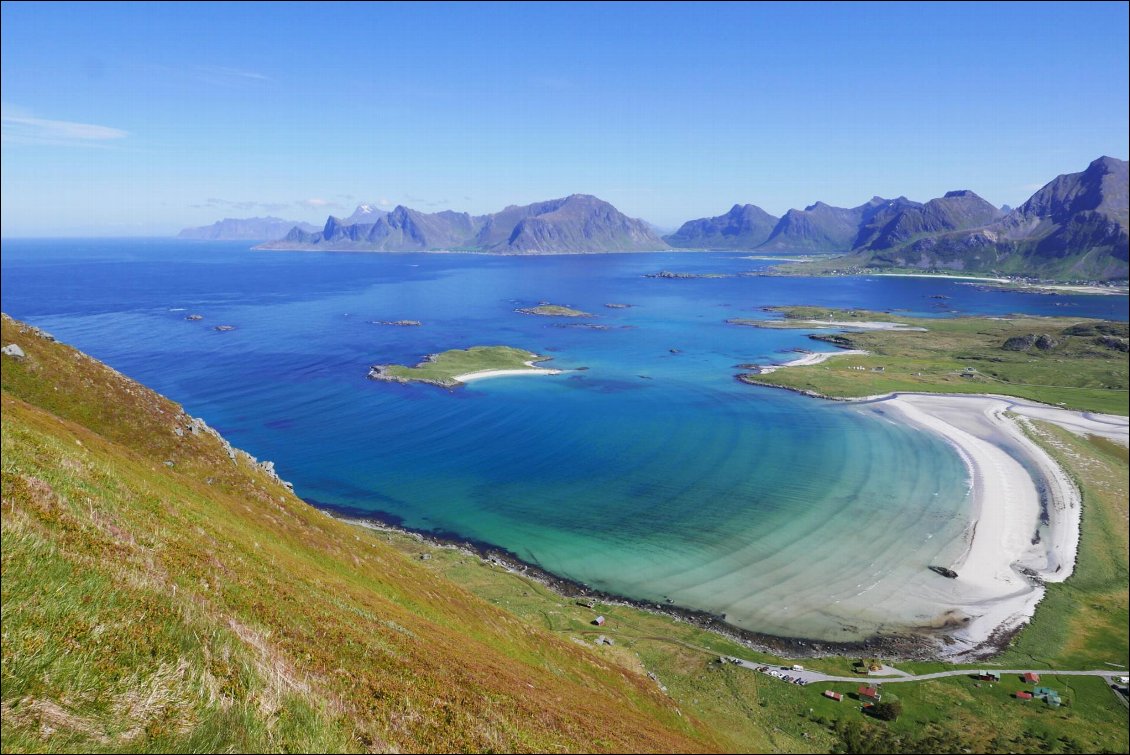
{"x":1075,"y":227}
{"x":578,"y":223}
{"x":244,"y":229}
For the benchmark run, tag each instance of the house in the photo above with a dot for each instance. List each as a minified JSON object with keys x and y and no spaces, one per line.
{"x":599,"y":621}
{"x":837,"y":696}
{"x":870,"y":694}
{"x":1048,"y":695}
{"x":1031,"y":677}
{"x":989,"y":676}
{"x":1022,"y":695}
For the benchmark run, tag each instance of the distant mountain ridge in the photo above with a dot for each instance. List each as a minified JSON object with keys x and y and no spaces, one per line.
{"x":244,"y":229}
{"x":1074,"y":227}
{"x":743,"y":227}
{"x":579,"y":223}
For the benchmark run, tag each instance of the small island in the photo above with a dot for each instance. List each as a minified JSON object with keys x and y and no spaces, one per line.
{"x":458,"y":366}
{"x":553,"y":310}
{"x":667,"y":274}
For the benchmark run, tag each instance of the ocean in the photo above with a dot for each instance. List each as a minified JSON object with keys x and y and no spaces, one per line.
{"x":644,"y":470}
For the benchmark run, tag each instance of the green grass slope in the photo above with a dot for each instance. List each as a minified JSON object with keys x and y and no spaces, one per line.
{"x":163,"y":592}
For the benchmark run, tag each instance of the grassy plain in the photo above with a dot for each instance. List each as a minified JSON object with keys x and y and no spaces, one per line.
{"x":965,"y":355}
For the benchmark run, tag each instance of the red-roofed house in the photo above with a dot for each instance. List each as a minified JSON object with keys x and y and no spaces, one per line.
{"x":1032,"y":678}
{"x":1022,"y":695}
{"x":870,"y":694}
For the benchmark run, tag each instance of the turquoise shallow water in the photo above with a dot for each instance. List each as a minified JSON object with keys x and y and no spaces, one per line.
{"x":651,"y":473}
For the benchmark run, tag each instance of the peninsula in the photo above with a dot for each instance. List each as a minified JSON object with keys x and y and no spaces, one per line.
{"x":1069,"y":362}
{"x":455,"y":367}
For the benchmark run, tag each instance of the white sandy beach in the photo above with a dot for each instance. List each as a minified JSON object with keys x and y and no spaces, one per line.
{"x":862,"y":325}
{"x":482,"y":374}
{"x":940,"y":275}
{"x":810,"y":359}
{"x":1006,"y":505}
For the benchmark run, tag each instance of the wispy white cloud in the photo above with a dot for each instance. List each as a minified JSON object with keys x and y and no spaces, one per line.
{"x":19,"y":126}
{"x":318,"y":203}
{"x":227,"y":76}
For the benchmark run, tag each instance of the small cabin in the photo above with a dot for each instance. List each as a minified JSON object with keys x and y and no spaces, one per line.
{"x":1022,"y":695}
{"x":837,"y":696}
{"x":1031,"y":678}
{"x":989,"y":676}
{"x":599,"y":621}
{"x":870,"y":694}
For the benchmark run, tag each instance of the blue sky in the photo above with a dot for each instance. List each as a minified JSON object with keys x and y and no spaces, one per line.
{"x":142,"y":118}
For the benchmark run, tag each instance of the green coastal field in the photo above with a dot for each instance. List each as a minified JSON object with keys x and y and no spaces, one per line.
{"x":442,"y":369}
{"x":1074,"y":363}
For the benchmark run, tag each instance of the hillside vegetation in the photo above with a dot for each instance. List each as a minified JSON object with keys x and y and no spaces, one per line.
{"x":162,"y":591}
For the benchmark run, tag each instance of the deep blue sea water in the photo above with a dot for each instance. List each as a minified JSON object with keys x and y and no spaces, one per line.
{"x":650,"y":473}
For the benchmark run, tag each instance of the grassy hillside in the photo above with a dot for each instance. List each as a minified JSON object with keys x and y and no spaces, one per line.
{"x":164,"y":592}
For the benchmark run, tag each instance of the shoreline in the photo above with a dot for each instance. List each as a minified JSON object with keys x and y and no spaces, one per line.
{"x":908,"y":645}
{"x":483,"y":374}
{"x":1024,"y":525}
{"x":1001,"y":571}
{"x":810,"y":359}
{"x":940,"y":275}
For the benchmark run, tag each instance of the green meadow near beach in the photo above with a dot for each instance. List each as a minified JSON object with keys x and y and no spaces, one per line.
{"x":1073,"y":363}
